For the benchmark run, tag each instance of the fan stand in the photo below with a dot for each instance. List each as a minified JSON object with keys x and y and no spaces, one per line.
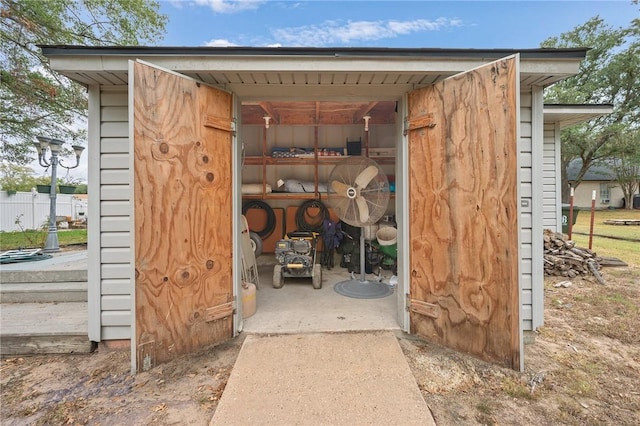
{"x":362,"y":288}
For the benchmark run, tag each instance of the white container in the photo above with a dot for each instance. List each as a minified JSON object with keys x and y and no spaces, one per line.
{"x":248,"y":299}
{"x":387,"y":236}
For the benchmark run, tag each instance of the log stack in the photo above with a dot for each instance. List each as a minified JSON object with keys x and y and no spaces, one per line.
{"x":562,"y":258}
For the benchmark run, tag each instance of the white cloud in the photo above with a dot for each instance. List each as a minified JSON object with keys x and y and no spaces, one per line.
{"x":219,"y":43}
{"x":230,"y":6}
{"x":332,"y":32}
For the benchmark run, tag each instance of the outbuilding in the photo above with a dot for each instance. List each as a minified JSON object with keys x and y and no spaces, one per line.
{"x":173,"y":132}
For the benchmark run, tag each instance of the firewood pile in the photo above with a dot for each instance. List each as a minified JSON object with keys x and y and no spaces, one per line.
{"x":562,"y":258}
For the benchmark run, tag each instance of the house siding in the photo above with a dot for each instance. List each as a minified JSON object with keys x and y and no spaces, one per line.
{"x":551,"y":178}
{"x":584,"y":192}
{"x":526,"y":209}
{"x":116,"y":287}
{"x":537,"y":208}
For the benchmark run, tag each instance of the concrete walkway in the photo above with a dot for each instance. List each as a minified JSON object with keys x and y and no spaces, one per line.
{"x":322,"y":379}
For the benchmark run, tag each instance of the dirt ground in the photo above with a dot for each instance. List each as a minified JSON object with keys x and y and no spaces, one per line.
{"x":583,"y":369}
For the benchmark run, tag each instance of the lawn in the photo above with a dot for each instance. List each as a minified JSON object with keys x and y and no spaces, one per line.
{"x":628,"y":251}
{"x":36,"y":239}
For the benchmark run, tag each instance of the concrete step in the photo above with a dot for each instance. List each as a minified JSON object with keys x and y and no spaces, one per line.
{"x":44,"y":328}
{"x":63,"y":291}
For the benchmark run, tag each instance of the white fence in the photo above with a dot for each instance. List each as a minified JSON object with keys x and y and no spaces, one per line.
{"x":32,"y":209}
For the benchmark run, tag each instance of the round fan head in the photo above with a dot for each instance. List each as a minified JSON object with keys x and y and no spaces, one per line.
{"x":358,"y":191}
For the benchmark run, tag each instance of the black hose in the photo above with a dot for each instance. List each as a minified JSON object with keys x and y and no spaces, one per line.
{"x":271,"y":216}
{"x":301,"y":215}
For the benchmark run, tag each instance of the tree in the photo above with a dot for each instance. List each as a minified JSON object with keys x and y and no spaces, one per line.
{"x":627,"y":167}
{"x":34,"y":100}
{"x":15,"y":177}
{"x":81,"y":189}
{"x":610,"y":74}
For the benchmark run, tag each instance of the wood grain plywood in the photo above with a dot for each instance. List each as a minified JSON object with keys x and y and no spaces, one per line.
{"x":183,"y":224}
{"x":463,"y":213}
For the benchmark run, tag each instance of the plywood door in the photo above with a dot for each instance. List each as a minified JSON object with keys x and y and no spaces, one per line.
{"x":182,"y":145}
{"x":463,"y":212}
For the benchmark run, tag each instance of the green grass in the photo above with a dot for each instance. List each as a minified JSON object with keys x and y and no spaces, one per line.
{"x":583,"y":221}
{"x":628,"y":251}
{"x":36,"y":239}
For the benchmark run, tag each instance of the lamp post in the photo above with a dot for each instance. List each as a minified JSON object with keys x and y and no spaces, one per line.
{"x":54,"y":146}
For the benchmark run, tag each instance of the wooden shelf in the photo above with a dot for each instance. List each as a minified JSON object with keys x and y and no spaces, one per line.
{"x":282,"y":196}
{"x":322,"y":160}
{"x":314,"y":161}
{"x":292,"y":196}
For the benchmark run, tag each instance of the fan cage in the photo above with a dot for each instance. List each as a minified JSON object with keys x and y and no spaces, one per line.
{"x":376,"y":193}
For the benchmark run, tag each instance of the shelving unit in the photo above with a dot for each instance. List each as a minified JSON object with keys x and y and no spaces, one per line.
{"x":269,"y":161}
{"x":266,"y":161}
{"x":313,"y":127}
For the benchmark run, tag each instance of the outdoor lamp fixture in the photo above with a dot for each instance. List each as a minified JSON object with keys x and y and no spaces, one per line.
{"x":54,"y":145}
{"x":366,"y":119}
{"x":266,"y":119}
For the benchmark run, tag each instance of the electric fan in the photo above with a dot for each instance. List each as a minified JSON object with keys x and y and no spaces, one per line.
{"x":359,"y":194}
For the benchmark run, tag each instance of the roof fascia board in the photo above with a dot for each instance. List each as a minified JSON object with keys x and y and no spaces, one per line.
{"x":76,"y":63}
{"x":235,"y":51}
{"x":570,"y":115}
{"x":578,"y":109}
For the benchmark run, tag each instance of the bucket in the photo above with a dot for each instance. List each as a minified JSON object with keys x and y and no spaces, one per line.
{"x":387,"y":236}
{"x":248,"y":299}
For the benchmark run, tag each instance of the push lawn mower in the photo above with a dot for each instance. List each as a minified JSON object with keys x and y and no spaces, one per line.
{"x":296,"y":256}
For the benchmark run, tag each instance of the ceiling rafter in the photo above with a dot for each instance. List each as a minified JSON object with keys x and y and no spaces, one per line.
{"x":270,"y":111}
{"x":362,"y":111}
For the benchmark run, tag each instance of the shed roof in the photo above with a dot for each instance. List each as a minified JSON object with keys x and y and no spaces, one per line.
{"x":313,"y":72}
{"x":568,"y":115}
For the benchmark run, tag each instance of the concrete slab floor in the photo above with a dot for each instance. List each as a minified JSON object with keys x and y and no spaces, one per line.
{"x":298,"y":308}
{"x":60,"y":261}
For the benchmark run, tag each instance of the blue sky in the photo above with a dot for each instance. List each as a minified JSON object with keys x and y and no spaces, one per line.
{"x":450,"y":24}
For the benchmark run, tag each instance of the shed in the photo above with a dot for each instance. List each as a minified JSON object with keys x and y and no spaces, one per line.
{"x":169,"y":128}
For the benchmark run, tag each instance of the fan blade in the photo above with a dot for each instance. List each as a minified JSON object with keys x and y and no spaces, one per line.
{"x":366,"y":176}
{"x":340,"y":188}
{"x":363,"y":208}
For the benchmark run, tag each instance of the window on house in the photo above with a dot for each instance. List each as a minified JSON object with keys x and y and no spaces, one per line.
{"x":605,"y":196}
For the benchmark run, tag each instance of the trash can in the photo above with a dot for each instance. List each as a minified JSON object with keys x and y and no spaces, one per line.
{"x":565,"y":217}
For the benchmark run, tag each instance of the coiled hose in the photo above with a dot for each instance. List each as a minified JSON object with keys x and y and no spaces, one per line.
{"x":316,"y":221}
{"x":271,"y":216}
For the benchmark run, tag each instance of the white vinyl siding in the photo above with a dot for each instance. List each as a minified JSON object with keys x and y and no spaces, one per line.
{"x":526,"y":202}
{"x":115,"y":218}
{"x":551,"y":179}
{"x":537,"y":209}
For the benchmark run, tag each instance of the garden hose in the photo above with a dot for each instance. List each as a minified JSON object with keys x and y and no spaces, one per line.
{"x":315,"y":224}
{"x":271,"y":217}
